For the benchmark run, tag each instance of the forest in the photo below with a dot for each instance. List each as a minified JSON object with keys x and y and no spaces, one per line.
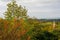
{"x":18,"y":26}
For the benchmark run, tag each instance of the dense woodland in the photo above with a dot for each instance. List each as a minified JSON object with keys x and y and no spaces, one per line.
{"x":18,"y":26}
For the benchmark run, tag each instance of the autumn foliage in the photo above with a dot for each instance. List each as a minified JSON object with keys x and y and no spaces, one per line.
{"x":13,"y":29}
{"x":24,"y":30}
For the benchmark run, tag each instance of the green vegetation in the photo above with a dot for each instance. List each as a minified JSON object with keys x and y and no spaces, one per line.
{"x":18,"y":26}
{"x":15,"y":11}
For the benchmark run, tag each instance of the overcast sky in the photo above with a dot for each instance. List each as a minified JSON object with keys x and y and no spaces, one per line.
{"x":38,"y":8}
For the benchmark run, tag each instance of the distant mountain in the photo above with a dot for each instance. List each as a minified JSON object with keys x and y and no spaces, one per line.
{"x":45,"y":19}
{"x":49,"y":19}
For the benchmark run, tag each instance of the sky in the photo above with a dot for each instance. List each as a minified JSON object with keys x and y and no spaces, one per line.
{"x":41,"y":9}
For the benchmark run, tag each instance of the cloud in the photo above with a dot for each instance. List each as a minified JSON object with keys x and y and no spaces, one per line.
{"x":37,"y":8}
{"x":5,"y":0}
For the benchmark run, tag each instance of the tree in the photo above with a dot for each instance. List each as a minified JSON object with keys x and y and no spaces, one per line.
{"x":15,"y":11}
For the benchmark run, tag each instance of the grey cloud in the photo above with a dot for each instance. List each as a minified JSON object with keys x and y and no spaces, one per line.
{"x":5,"y":0}
{"x":40,"y":8}
{"x":43,"y":8}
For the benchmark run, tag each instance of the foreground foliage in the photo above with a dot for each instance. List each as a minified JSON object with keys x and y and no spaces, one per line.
{"x":26,"y":30}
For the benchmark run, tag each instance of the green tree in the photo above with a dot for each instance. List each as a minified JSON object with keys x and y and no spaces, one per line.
{"x":15,"y":11}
